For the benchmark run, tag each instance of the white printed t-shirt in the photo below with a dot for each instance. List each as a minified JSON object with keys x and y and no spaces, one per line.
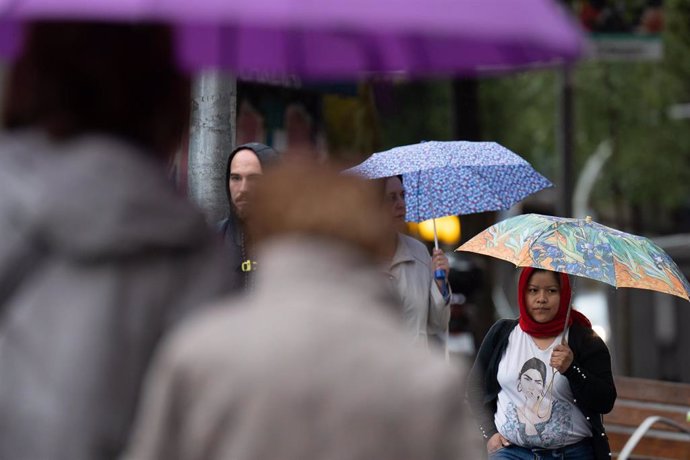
{"x":530,"y":411}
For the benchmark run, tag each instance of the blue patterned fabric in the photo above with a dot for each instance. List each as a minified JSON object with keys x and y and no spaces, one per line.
{"x":458,"y":177}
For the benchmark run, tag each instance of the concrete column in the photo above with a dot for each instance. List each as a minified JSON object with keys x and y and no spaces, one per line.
{"x":211,"y":138}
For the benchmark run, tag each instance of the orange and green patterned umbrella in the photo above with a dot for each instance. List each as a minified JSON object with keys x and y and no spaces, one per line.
{"x":584,"y":248}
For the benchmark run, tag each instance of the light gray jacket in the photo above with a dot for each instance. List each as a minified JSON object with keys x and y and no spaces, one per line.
{"x":314,"y":364}
{"x":99,"y":256}
{"x":424,"y":310}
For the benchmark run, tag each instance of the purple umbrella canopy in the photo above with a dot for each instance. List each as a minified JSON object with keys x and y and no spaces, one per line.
{"x":452,"y":178}
{"x":329,"y":39}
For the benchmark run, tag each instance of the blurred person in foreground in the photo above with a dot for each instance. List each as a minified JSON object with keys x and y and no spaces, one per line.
{"x":315,"y":362}
{"x":536,"y":390}
{"x":411,"y":270}
{"x":99,"y":254}
{"x":245,"y":166}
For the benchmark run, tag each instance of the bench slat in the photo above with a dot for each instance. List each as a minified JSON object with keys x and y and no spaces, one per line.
{"x":642,"y":398}
{"x":653,"y":391}
{"x":633,"y":416}
{"x":652,"y":447}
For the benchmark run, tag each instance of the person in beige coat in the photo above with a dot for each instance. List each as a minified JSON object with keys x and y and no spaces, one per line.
{"x":411,"y":270}
{"x":315,"y":363}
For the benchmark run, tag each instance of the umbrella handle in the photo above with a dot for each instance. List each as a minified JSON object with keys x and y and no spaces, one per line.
{"x":440,"y":275}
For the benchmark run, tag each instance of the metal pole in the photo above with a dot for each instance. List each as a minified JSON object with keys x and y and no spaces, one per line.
{"x":211,"y":138}
{"x":565,"y":139}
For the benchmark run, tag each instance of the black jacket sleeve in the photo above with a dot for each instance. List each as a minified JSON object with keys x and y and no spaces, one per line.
{"x":482,"y":386}
{"x":590,"y":375}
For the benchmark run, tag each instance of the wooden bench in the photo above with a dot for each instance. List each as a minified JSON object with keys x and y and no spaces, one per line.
{"x":639,"y":399}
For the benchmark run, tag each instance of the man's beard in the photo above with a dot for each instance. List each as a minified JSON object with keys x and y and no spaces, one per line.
{"x":240,"y":213}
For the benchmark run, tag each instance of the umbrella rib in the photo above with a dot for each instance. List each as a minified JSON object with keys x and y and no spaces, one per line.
{"x":418,"y":195}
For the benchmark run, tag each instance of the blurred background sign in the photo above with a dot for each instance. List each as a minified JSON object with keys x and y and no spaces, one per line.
{"x":627,"y":30}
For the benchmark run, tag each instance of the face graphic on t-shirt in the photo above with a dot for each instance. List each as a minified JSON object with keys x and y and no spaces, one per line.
{"x":532,"y":384}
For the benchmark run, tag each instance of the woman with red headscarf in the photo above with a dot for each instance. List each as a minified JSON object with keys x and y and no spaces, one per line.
{"x":539,"y":386}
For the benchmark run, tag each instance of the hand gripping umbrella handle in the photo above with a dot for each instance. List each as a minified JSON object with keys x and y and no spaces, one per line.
{"x":440,"y":274}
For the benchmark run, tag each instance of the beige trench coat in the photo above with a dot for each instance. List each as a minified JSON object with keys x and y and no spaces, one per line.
{"x":424,"y":310}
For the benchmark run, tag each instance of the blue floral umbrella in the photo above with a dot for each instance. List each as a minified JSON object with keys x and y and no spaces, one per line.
{"x":458,"y":177}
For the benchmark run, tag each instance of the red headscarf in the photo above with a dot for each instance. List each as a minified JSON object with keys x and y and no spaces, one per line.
{"x":556,"y":325}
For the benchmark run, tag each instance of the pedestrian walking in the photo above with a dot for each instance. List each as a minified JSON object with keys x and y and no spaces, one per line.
{"x":540,"y":384}
{"x":246,"y":164}
{"x":314,"y":363}
{"x":411,"y":270}
{"x":100,"y":255}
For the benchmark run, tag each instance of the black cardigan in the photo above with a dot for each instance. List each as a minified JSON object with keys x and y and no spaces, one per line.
{"x":590,"y":378}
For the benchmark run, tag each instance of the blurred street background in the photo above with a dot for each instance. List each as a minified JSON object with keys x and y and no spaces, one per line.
{"x":611,"y":131}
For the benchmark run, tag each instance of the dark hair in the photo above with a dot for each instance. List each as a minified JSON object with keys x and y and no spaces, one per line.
{"x":381,"y":184}
{"x":268,"y":158}
{"x":74,"y":78}
{"x":534,"y":363}
{"x":266,"y":154}
{"x":537,"y":270}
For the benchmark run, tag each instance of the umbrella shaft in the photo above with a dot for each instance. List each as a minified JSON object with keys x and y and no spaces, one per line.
{"x":567,"y":318}
{"x":435,"y":234}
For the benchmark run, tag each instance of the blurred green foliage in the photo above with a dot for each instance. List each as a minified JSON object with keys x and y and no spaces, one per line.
{"x":422,"y":111}
{"x":627,"y":103}
{"x":647,"y":178}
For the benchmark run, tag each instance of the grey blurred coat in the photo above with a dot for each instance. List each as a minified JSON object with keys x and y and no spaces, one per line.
{"x":99,"y":256}
{"x":315,"y":364}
